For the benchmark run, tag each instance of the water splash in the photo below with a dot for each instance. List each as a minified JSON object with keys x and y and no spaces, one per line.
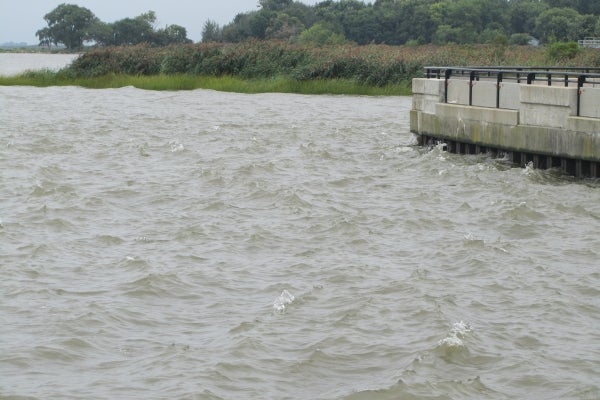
{"x":455,"y":338}
{"x":529,"y":169}
{"x":472,"y":240}
{"x":281,"y":302}
{"x":176,"y":146}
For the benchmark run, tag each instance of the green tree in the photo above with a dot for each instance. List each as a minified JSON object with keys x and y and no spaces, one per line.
{"x":589,"y":26}
{"x":102,"y":33}
{"x":363,"y":26}
{"x":493,"y":36}
{"x":171,"y":34}
{"x":212,"y":32}
{"x":306,"y":14}
{"x":352,"y":17}
{"x":276,"y":19}
{"x":238,"y":29}
{"x":69,"y":25}
{"x":321,"y":34}
{"x":45,"y":38}
{"x":136,"y":30}
{"x":520,"y":39}
{"x":581,"y":6}
{"x":558,"y":24}
{"x":413,"y":22}
{"x":339,"y":13}
{"x":274,"y":5}
{"x":282,"y":26}
{"x":446,"y":34}
{"x":523,"y":13}
{"x":420,"y":21}
{"x":463,"y":21}
{"x":249,"y":25}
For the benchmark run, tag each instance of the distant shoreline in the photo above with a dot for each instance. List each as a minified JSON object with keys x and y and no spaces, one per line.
{"x":35,"y":49}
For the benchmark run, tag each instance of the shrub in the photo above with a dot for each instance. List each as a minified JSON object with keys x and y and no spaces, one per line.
{"x":520,"y":39}
{"x":561,"y":51}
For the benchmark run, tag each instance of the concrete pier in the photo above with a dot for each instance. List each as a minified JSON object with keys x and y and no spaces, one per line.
{"x":549,"y":118}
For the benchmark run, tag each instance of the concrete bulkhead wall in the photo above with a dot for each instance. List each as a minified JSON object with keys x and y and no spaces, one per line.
{"x":499,"y":129}
{"x":549,"y":106}
{"x":534,"y":119}
{"x":427,"y":93}
{"x":590,"y":102}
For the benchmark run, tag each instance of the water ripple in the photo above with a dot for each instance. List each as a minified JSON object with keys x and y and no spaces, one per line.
{"x":216,"y":245}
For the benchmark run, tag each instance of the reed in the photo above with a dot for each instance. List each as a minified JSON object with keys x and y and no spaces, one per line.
{"x":273,"y":66}
{"x":374,"y":65}
{"x":280,"y":84}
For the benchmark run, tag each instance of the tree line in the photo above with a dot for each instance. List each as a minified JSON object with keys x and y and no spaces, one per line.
{"x":392,"y":22}
{"x":397,"y":22}
{"x":72,"y":26}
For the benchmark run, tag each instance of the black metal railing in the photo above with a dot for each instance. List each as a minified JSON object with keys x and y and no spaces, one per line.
{"x":567,"y":76}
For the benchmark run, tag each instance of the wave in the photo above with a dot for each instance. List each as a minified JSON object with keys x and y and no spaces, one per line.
{"x":282,"y":302}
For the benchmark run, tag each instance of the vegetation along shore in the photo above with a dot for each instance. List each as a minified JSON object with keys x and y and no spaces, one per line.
{"x":280,"y":66}
{"x":344,"y":46}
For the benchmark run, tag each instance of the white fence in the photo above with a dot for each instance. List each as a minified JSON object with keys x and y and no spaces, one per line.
{"x":592,"y":42}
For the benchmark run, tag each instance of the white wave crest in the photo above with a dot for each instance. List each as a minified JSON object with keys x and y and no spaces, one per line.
{"x":451,"y":341}
{"x":529,"y":169}
{"x":281,"y":302}
{"x":176,"y":146}
{"x":457,"y":333}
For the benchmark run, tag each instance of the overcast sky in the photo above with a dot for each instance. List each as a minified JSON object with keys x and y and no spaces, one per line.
{"x":21,"y":19}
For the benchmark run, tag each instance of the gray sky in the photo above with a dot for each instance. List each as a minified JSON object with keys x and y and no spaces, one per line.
{"x":20,"y":19}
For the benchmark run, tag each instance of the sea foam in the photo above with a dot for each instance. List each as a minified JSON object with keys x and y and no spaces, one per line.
{"x":281,"y":302}
{"x":457,"y":334}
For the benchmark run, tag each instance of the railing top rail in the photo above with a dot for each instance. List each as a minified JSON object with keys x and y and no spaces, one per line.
{"x":565,"y":74}
{"x":540,"y":69}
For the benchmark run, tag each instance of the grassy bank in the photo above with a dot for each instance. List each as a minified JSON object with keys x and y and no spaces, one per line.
{"x":270,"y":66}
{"x":280,"y":84}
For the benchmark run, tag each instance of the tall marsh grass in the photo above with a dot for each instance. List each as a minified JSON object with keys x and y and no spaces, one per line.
{"x":273,"y":66}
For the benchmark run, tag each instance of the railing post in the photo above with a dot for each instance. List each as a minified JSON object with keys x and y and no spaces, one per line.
{"x":530,"y":78}
{"x":472,"y":76}
{"x":580,"y":82}
{"x":498,"y":84}
{"x":447,"y":74}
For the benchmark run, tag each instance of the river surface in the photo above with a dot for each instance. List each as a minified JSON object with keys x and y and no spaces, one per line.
{"x":207,"y":245}
{"x":15,"y":63}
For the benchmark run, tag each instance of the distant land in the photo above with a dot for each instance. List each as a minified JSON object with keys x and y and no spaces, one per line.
{"x":14,"y":44}
{"x":21,"y":47}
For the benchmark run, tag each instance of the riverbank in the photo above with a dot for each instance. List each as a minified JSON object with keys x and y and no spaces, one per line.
{"x":278,"y":84}
{"x":271,"y":66}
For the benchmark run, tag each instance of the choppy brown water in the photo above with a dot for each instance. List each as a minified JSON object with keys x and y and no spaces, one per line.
{"x":226,"y":246}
